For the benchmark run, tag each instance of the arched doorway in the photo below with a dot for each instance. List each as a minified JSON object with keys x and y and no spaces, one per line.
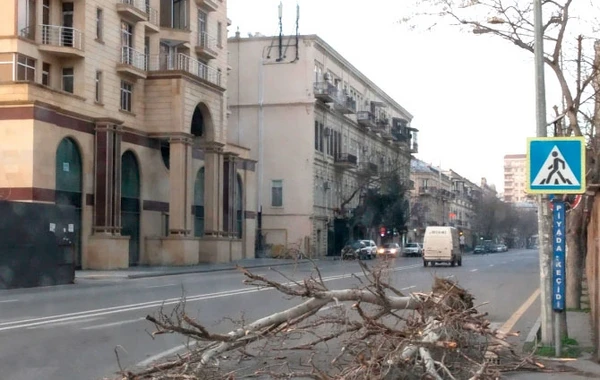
{"x":199,"y":204}
{"x":69,"y":185}
{"x":197,"y":127}
{"x":239,"y":207}
{"x":130,"y":204}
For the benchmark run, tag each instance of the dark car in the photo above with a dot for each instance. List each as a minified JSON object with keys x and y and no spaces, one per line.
{"x":479,"y":249}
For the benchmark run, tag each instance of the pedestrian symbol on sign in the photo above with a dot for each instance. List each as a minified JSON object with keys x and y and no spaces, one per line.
{"x":555,"y":171}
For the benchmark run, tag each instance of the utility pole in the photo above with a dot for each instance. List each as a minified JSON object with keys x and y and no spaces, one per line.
{"x":544,"y":223}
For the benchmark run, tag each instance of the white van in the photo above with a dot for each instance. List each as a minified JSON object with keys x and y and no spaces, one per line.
{"x":441,"y":245}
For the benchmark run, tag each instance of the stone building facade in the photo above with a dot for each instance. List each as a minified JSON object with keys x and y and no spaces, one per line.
{"x":119,"y":109}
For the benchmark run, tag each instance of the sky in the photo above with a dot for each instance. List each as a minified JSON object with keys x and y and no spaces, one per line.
{"x":472,"y":97}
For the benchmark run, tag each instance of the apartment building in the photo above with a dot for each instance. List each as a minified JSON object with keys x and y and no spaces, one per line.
{"x":514,"y":178}
{"x":316,"y":126}
{"x":118,"y":108}
{"x":441,"y":198}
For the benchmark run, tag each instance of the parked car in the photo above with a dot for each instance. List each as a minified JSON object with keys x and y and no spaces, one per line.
{"x":501,"y":248}
{"x":359,"y":249}
{"x":413,"y":249}
{"x":479,"y":249}
{"x":389,"y":249}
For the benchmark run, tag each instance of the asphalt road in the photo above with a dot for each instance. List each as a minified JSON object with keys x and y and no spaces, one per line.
{"x":70,"y":332}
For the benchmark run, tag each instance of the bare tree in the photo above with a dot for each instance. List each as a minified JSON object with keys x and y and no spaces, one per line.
{"x":570,"y":35}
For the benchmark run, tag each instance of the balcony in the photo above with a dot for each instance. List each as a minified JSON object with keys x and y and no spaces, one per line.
{"x":414,"y":145}
{"x":383,"y":128}
{"x":60,"y":41}
{"x":345,"y":105}
{"x":206,"y":47}
{"x":366,"y":119}
{"x":209,"y":5}
{"x":182,"y":62}
{"x":326,"y":92}
{"x":132,"y":63}
{"x":368,"y":168}
{"x":428,"y":191}
{"x":152,"y":24}
{"x":132,"y":10}
{"x":345,"y":160}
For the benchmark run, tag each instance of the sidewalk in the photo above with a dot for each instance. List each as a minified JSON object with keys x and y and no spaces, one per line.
{"x":143,"y":271}
{"x":579,"y":325}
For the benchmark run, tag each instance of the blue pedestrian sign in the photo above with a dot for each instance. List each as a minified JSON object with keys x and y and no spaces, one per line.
{"x":558,"y":257}
{"x":556,"y":165}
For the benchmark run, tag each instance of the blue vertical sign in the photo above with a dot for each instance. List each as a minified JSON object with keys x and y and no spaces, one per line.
{"x":558,"y":261}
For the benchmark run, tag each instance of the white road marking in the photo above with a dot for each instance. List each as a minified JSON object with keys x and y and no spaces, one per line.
{"x":474,"y":270}
{"x":491,"y":265}
{"x":58,"y":324}
{"x":7,"y":301}
{"x":409,"y":287}
{"x":112,"y":324}
{"x":159,"y":286}
{"x":4,"y":326}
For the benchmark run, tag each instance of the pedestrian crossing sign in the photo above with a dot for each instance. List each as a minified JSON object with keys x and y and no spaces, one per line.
{"x":555,"y":165}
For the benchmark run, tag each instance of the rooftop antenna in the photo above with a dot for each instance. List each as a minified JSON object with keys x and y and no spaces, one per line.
{"x":280,"y":32}
{"x":297,"y":29}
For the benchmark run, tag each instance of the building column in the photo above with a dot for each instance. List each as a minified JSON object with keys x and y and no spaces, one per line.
{"x":213,"y":185}
{"x":107,"y":181}
{"x":229,"y":193}
{"x":181,"y":186}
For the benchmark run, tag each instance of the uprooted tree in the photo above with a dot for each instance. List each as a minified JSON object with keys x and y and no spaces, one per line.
{"x":570,"y":35}
{"x":372,"y":331}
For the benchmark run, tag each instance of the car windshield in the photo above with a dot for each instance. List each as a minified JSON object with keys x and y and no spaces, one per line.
{"x":390,"y":245}
{"x":357,"y":244}
{"x":411,"y":245}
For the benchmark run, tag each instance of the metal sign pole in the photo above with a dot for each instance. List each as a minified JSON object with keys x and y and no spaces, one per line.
{"x":558,"y":270}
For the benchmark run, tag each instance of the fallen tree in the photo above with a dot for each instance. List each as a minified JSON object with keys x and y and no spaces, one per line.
{"x":373,"y":331}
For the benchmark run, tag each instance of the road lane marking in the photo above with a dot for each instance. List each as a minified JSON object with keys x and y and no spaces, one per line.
{"x":7,"y":301}
{"x":58,"y":324}
{"x":409,"y":287}
{"x":474,"y":270}
{"x":491,"y":265}
{"x":112,"y":324}
{"x":512,"y":321}
{"x":17,"y":324}
{"x":159,"y":286}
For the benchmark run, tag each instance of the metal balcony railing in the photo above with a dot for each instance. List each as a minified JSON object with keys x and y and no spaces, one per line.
{"x":56,"y":35}
{"x":182,"y":62}
{"x":137,"y":59}
{"x":365,"y":118}
{"x":326,"y":91}
{"x":152,"y":15}
{"x":346,"y":158}
{"x":207,"y":42}
{"x":139,"y":4}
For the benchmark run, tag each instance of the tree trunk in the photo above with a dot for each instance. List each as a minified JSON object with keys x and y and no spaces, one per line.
{"x":574,"y":258}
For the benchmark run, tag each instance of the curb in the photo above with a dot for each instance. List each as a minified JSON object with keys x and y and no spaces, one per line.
{"x":533,"y":336}
{"x":183,"y":271}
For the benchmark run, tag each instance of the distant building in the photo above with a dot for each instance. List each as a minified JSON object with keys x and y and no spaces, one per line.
{"x":441,"y":198}
{"x":318,"y":128}
{"x":514,"y":178}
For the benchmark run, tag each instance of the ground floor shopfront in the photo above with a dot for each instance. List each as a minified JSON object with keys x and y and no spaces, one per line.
{"x":140,"y":199}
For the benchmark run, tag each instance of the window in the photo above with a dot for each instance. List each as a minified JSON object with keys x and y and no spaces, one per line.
{"x":220,"y":34}
{"x":98,"y":83}
{"x":68,"y":79}
{"x":321,"y":137}
{"x":99,"y":22}
{"x":26,"y":18}
{"x":318,"y":72}
{"x":46,"y":74}
{"x":277,"y":193}
{"x":126,"y":95}
{"x":316,"y":135}
{"x":173,"y":14}
{"x":25,"y":68}
{"x":329,"y":141}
